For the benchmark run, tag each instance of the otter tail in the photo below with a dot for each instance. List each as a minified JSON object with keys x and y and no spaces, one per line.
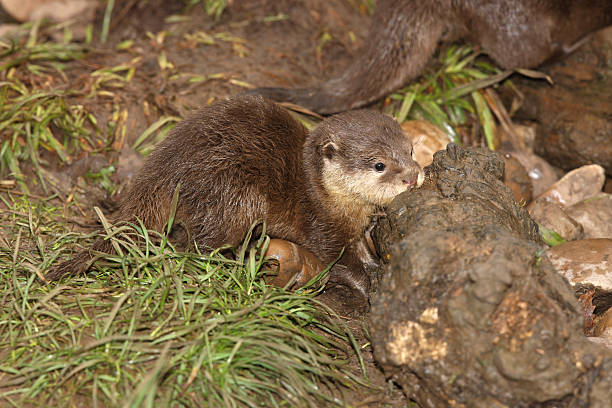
{"x":314,"y":99}
{"x":81,"y":262}
{"x":397,"y":48}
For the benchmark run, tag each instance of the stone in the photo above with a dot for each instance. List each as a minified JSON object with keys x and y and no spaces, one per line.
{"x":594,"y":215}
{"x":585,"y":262}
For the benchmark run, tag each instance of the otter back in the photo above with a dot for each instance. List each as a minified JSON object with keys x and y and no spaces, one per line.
{"x":236,"y":161}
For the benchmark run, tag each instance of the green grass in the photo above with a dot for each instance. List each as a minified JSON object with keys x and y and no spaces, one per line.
{"x":452,"y":94}
{"x":31,"y":120}
{"x":40,"y":57}
{"x":35,"y":114}
{"x":156,"y":132}
{"x":157,"y":327}
{"x":550,"y":237}
{"x":213,"y":8}
{"x":41,"y":112}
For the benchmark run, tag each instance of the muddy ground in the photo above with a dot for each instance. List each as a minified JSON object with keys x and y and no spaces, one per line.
{"x":256,"y":43}
{"x":253,"y":43}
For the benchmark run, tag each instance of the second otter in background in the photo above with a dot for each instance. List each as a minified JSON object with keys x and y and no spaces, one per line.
{"x":405,"y":33}
{"x":246,"y":159}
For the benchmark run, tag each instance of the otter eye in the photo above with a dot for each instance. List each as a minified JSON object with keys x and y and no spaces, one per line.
{"x":379,"y":166}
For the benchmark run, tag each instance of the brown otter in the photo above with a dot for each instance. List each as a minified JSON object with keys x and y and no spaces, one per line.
{"x":247,"y":159}
{"x":404,"y":34}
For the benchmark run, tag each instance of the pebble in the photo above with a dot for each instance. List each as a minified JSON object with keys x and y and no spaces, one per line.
{"x":576,"y":186}
{"x":588,"y":261}
{"x":426,"y":138}
{"x":594,"y":215}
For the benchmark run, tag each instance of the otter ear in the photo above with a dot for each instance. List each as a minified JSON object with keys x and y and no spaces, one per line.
{"x":329,"y":149}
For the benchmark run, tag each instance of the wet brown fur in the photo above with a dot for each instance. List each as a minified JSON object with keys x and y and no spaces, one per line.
{"x":247,"y":159}
{"x":405,"y":33}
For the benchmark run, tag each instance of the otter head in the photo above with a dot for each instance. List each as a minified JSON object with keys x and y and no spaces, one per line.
{"x":365,"y":158}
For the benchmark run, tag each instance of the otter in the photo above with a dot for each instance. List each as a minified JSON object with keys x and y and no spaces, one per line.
{"x":246,"y":158}
{"x":405,"y":33}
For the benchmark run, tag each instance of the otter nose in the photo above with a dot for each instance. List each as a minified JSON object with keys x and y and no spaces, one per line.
{"x":409,"y":181}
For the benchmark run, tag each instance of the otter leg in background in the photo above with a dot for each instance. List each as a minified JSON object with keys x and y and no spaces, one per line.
{"x":399,"y":45}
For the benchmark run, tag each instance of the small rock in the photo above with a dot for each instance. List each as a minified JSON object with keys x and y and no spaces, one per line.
{"x":517,"y":179}
{"x":588,"y":261}
{"x":552,"y":216}
{"x":608,"y":186}
{"x":595,"y":215}
{"x":603,"y":341}
{"x":577,"y":185}
{"x":55,"y":10}
{"x":427,"y":139}
{"x":540,"y":172}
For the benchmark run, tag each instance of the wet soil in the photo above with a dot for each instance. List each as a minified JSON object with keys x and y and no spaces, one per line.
{"x":262,"y":42}
{"x":255,"y":43}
